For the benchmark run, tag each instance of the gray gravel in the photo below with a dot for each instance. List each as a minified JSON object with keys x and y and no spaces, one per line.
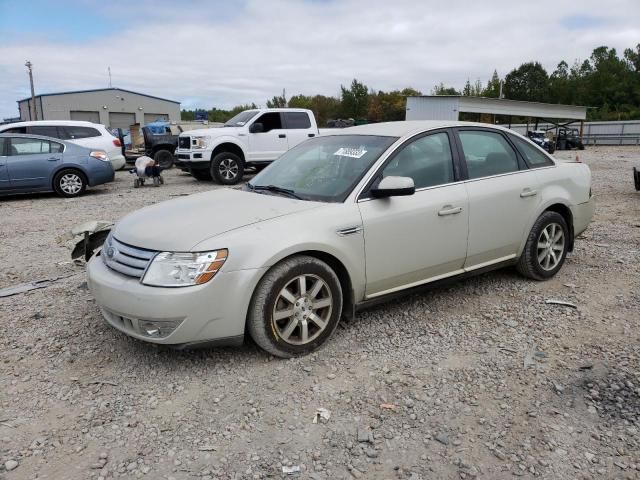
{"x":480,"y":379}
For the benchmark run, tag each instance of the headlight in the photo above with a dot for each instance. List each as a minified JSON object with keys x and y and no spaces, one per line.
{"x":98,"y":155}
{"x":184,"y":269}
{"x":199,"y":142}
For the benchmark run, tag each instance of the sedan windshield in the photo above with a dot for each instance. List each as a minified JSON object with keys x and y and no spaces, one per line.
{"x":323,"y":169}
{"x":241,"y":119}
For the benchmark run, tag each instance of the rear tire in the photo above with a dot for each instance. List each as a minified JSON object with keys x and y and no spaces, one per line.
{"x":296,"y":307}
{"x":227,"y":168}
{"x":164,"y":158}
{"x":69,"y":183}
{"x":636,"y":177}
{"x":546,"y":248}
{"x":201,"y":175}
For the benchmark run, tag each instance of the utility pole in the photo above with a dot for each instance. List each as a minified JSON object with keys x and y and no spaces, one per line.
{"x":109,"y":69}
{"x":33,"y":93}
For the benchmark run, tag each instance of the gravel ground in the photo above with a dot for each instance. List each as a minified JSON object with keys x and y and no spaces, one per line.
{"x":480,"y":379}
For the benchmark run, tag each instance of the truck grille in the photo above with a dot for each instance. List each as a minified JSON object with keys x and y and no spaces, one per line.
{"x":125,"y":259}
{"x":184,"y":142}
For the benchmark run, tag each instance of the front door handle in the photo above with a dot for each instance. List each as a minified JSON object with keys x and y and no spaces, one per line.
{"x":527,"y":192}
{"x":449,"y":210}
{"x":282,"y":135}
{"x":53,"y":159}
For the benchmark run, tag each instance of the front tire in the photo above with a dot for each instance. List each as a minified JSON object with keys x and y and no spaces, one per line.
{"x":296,"y":307}
{"x":164,"y":158}
{"x":227,"y":168}
{"x":69,"y":183}
{"x":546,"y":248}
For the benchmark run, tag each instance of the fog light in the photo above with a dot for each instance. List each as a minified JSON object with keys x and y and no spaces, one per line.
{"x":158,"y":328}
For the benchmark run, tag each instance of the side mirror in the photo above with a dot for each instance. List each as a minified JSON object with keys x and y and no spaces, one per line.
{"x":256,"y":127}
{"x":394,"y":187}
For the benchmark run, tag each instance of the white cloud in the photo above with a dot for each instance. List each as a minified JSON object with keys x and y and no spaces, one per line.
{"x":250,"y":51}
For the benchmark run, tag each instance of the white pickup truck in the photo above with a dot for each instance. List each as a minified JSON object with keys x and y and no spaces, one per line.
{"x":253,"y":138}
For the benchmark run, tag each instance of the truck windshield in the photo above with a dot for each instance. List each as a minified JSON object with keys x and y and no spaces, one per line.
{"x":323,"y":169}
{"x":241,"y":119}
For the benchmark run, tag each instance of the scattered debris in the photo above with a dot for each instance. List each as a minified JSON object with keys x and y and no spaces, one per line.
{"x":102,"y":382}
{"x":443,"y":438}
{"x":10,"y":465}
{"x":322,"y":415}
{"x":587,"y":366}
{"x":552,"y":301}
{"x":292,"y":470}
{"x":26,"y":287}
{"x":603,"y":245}
{"x":388,"y":406}
{"x":207,"y":448}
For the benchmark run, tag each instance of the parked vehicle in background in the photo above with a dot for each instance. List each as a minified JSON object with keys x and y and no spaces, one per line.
{"x":253,"y":138}
{"x":569,"y":139}
{"x":539,"y":137}
{"x":285,"y":258}
{"x":32,"y":163}
{"x":85,"y":134}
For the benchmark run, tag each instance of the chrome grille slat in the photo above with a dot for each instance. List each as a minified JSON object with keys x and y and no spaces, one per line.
{"x":126,"y":259}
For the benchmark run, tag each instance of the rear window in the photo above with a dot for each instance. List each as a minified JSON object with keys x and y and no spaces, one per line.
{"x":297,"y":120}
{"x":16,"y":130}
{"x":534,"y":157}
{"x":75,"y":133}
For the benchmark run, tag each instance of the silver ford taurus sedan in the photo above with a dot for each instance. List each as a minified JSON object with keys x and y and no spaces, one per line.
{"x":339,"y":221}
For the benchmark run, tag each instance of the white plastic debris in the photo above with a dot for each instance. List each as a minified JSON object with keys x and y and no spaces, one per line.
{"x":292,"y":470}
{"x":322,"y":414}
{"x":552,"y":301}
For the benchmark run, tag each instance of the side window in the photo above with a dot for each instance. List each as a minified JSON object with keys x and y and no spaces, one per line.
{"x":534,"y":157}
{"x":271,"y":121}
{"x":487,"y":153}
{"x":75,"y":133}
{"x":2,"y":152}
{"x":16,"y":130}
{"x":56,"y":147}
{"x":427,"y":160}
{"x":50,"y":131}
{"x":28,"y":146}
{"x":297,"y":120}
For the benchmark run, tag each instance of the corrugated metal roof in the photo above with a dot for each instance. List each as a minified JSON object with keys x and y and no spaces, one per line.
{"x":497,"y":106}
{"x":98,"y":90}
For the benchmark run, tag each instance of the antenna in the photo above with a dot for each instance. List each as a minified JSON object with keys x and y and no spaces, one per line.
{"x":109,"y":70}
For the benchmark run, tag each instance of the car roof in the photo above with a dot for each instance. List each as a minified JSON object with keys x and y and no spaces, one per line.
{"x":28,"y":135}
{"x":406,"y":128}
{"x":52,"y":123}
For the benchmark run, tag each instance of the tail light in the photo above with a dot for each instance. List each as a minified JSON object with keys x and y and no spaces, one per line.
{"x":99,"y":155}
{"x":116,"y":142}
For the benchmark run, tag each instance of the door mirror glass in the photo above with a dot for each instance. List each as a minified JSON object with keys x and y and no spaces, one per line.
{"x":256,"y":127}
{"x":394,"y":187}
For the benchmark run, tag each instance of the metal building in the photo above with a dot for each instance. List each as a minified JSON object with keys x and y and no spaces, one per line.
{"x":448,"y":107}
{"x":113,"y":107}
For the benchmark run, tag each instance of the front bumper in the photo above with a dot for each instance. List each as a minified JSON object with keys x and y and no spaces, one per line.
{"x":186,"y":159}
{"x":209,"y":312}
{"x":582,"y":215}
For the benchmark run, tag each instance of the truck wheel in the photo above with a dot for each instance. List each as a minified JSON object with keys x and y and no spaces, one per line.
{"x":227,"y":168}
{"x":164,"y":158}
{"x":201,"y":175}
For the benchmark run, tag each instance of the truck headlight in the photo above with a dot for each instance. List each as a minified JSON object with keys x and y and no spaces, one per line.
{"x":199,"y":143}
{"x":170,"y":269}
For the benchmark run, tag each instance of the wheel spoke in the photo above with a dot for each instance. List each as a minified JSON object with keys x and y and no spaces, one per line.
{"x":316,"y":289}
{"x":291,"y":326}
{"x":557,"y":237}
{"x":280,"y":314}
{"x":322,"y":303}
{"x":317,"y":320}
{"x":302,"y":284}
{"x":288,"y":296}
{"x":542,"y":245}
{"x":558,"y":248}
{"x":547,"y":260}
{"x":546,"y":234}
{"x":552,"y":254}
{"x":542,"y":256}
{"x":304,"y":335}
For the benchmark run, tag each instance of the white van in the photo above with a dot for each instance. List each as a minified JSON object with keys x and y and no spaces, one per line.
{"x":87,"y":134}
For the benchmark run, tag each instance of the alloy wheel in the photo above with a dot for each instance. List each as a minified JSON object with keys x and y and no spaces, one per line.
{"x":70,"y":183}
{"x":228,"y":169}
{"x":551,"y":244}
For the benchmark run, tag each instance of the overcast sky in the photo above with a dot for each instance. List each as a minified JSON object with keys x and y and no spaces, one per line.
{"x":227,"y":52}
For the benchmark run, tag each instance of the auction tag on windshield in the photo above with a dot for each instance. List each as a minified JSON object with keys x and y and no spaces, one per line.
{"x":351,"y":152}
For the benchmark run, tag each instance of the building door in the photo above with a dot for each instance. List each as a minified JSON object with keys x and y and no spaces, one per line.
{"x":85,"y":116}
{"x":121,"y":120}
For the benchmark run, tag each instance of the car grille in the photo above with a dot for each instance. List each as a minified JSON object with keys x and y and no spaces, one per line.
{"x":125,"y":259}
{"x":184,"y":142}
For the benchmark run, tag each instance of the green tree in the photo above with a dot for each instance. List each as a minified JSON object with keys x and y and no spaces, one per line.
{"x":442,"y":90}
{"x":278,"y":101}
{"x":529,"y":81}
{"x":493,"y":86}
{"x":354,"y":100}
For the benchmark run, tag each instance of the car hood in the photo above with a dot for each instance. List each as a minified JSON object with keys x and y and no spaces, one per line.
{"x":212,"y":132}
{"x":178,"y":225}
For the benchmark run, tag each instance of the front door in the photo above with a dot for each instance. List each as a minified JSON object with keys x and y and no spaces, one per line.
{"x":4,"y":172}
{"x":31,"y":162}
{"x":503,"y":194}
{"x":271,"y":142}
{"x":422,"y":237}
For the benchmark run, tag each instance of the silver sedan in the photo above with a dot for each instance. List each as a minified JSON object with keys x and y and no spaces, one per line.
{"x":337,"y":222}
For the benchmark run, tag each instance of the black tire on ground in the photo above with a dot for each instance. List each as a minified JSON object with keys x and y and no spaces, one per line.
{"x":227,"y":168}
{"x":636,"y":177}
{"x":537,"y":250}
{"x":69,"y":183}
{"x":164,"y":158}
{"x":201,"y":175}
{"x":269,"y":332}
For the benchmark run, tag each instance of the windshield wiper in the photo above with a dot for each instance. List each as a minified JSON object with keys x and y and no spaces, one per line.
{"x":275,"y":189}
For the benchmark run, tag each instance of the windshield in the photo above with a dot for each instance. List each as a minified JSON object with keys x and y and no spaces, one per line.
{"x":241,"y":119}
{"x":324,"y":168}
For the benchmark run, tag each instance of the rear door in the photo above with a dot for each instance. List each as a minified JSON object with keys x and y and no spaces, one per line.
{"x":4,"y":172}
{"x":503,"y":195}
{"x":298,"y":128}
{"x":31,"y":162}
{"x":270,"y":143}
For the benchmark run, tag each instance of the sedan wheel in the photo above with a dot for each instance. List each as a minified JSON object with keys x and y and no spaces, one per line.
{"x":546,"y":247}
{"x":69,"y":183}
{"x":296,"y":307}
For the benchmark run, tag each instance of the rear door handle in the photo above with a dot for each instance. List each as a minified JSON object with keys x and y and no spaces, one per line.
{"x":53,"y":159}
{"x":449,"y":210}
{"x":282,"y":135}
{"x":527,"y":192}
